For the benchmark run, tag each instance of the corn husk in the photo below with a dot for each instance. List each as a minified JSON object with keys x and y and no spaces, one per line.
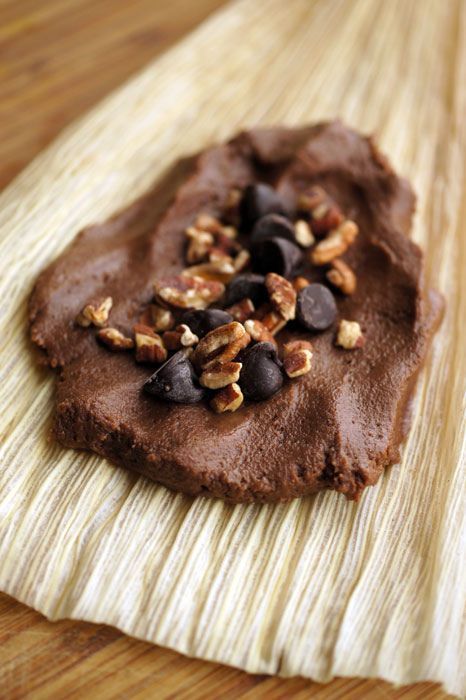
{"x":317,"y":587}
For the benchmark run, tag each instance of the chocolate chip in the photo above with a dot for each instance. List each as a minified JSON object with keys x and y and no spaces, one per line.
{"x":273,"y":226}
{"x":316,"y":309}
{"x":202,"y":322}
{"x":259,"y":200}
{"x":175,"y":381}
{"x":247,"y":286}
{"x":261,"y":375}
{"x":276,"y":255}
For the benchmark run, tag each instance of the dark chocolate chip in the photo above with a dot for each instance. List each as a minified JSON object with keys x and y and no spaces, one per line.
{"x":247,"y":286}
{"x":202,"y":322}
{"x":175,"y":381}
{"x":261,"y":374}
{"x":259,"y":200}
{"x":316,"y":309}
{"x":276,"y":255}
{"x":273,"y":226}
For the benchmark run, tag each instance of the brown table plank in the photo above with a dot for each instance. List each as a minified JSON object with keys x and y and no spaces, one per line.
{"x":57,"y":59}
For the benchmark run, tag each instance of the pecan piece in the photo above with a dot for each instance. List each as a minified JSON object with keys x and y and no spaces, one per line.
{"x":149,"y":345}
{"x":335,"y":244}
{"x":242,"y":310}
{"x":299,"y":283}
{"x":220,"y":271}
{"x":220,"y":345}
{"x":162,"y":319}
{"x":242,"y":260}
{"x":229,"y":398}
{"x":220,"y":374}
{"x":273,"y":321}
{"x":259,"y":332}
{"x":186,"y":292}
{"x":208,"y":223}
{"x":113,"y":339}
{"x":350,"y":335}
{"x":95,"y":313}
{"x":200,"y":243}
{"x":181,"y":337}
{"x":297,"y":360}
{"x":282,"y":295}
{"x":342,"y":276}
{"x":295,"y":345}
{"x":326,"y":217}
{"x":309,"y":200}
{"x":303,"y":234}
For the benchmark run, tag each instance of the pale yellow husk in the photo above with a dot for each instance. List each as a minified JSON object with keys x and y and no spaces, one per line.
{"x":318,"y":587}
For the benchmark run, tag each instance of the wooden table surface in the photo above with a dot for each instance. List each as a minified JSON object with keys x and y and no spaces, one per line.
{"x":57,"y":59}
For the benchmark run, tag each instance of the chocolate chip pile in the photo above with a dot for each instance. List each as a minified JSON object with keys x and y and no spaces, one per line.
{"x":212,"y":328}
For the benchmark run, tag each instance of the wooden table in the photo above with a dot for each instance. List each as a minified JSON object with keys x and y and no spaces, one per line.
{"x":57,"y":59}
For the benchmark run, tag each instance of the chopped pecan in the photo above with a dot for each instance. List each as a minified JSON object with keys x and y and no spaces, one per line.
{"x":231,"y":207}
{"x":149,"y":345}
{"x":335,"y":243}
{"x":181,"y":337}
{"x":299,"y":283}
{"x":242,"y":260}
{"x":95,"y":313}
{"x":220,"y":345}
{"x":220,"y":374}
{"x":259,"y":332}
{"x":113,"y":339}
{"x":309,"y":200}
{"x":325,"y":217}
{"x":186,"y":292}
{"x":350,"y":335}
{"x":282,"y":295}
{"x":303,"y":234}
{"x":297,"y":362}
{"x":230,"y":231}
{"x":162,"y":319}
{"x":229,"y":398}
{"x":242,"y":310}
{"x":273,"y":321}
{"x":221,"y":271}
{"x":200,"y":243}
{"x":342,"y":276}
{"x":295,"y":345}
{"x":208,"y":223}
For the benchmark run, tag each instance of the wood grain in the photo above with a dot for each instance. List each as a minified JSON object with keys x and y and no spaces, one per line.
{"x":58,"y":59}
{"x":66,"y":659}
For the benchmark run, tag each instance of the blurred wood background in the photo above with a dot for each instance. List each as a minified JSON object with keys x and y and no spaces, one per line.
{"x":57,"y":59}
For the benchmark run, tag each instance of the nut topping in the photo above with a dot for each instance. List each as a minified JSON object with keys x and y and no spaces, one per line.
{"x":187,"y":292}
{"x":242,"y":310}
{"x":220,"y":374}
{"x":259,"y":332}
{"x":299,"y":283}
{"x":335,"y":244}
{"x":296,"y":345}
{"x":242,"y":260}
{"x":220,"y":345}
{"x":220,"y":271}
{"x":342,"y":276}
{"x":181,"y":337}
{"x":350,"y":335}
{"x":229,"y":398}
{"x":282,"y":295}
{"x":113,"y":339}
{"x":297,"y":362}
{"x":162,"y":319}
{"x":208,"y":223}
{"x":96,"y":313}
{"x":303,"y":234}
{"x":149,"y":345}
{"x":200,"y":243}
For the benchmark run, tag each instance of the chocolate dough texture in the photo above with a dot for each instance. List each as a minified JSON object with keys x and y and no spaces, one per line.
{"x":339,"y":426}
